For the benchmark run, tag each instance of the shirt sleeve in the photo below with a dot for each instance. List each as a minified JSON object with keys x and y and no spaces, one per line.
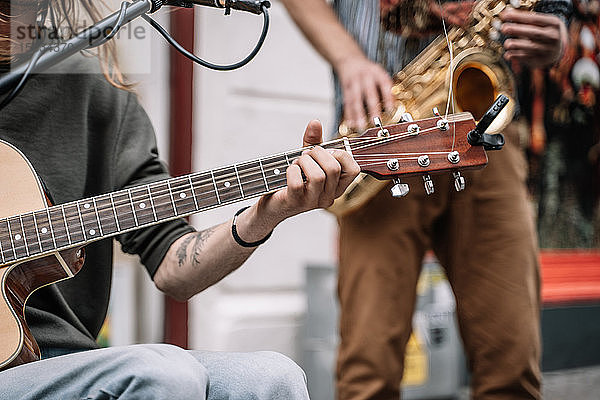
{"x":136,"y":162}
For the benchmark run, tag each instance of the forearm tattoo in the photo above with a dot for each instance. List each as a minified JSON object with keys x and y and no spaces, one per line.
{"x":199,"y":238}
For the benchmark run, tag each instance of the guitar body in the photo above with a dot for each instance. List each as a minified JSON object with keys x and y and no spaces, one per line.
{"x":19,"y":280}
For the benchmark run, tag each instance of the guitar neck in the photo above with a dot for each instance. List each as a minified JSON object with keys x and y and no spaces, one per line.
{"x":84,"y":221}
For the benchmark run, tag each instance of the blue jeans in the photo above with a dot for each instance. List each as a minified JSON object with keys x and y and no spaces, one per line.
{"x":155,"y":371}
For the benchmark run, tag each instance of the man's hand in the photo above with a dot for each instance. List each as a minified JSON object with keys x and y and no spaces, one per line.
{"x":534,"y":39}
{"x":327,"y":173}
{"x":365,"y":84}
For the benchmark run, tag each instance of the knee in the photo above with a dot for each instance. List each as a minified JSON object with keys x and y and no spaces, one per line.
{"x":165,"y":371}
{"x":282,"y":378}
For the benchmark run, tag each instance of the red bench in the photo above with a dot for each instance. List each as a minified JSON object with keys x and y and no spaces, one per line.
{"x":570,"y":276}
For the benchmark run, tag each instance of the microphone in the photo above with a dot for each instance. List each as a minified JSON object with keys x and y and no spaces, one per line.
{"x":253,"y":6}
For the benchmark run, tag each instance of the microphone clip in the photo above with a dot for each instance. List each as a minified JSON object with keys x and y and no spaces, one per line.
{"x":180,"y":3}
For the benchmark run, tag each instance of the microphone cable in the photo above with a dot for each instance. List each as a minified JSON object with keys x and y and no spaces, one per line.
{"x":119,"y":24}
{"x":207,"y":64}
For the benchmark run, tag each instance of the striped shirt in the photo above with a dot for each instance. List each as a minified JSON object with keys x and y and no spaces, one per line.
{"x":391,"y":50}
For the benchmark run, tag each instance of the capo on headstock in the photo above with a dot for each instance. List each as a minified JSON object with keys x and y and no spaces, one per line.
{"x":478,"y":137}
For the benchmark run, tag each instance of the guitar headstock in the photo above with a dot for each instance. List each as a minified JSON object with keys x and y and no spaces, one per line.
{"x":425,"y":146}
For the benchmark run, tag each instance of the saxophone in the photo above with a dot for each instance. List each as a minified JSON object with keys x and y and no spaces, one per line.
{"x":477,"y":77}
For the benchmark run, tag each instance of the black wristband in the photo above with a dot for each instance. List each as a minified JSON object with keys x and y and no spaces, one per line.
{"x":237,"y":237}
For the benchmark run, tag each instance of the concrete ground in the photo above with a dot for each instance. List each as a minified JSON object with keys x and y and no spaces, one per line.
{"x":580,"y":384}
{"x":573,"y":384}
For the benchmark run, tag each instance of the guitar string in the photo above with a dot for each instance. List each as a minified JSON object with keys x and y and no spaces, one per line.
{"x":266,"y":161}
{"x":124,"y":221}
{"x":129,"y":217}
{"x":224,"y":178}
{"x":80,"y":219}
{"x":83,"y":218}
{"x":180,"y":182}
{"x":49,"y":242}
{"x":451,"y":85}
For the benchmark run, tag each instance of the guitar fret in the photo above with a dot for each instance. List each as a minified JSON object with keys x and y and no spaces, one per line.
{"x":163,"y":201}
{"x":212,"y":173}
{"x":24,"y":236}
{"x":239,"y":181}
{"x":143,"y":211}
{"x":264,"y":175}
{"x":112,"y":201}
{"x":18,"y":241}
{"x":66,"y":224}
{"x":184,"y":196}
{"x":106,"y":215}
{"x":58,"y":224}
{"x":74,"y":223}
{"x":193,"y":194}
{"x":89,"y":219}
{"x":51,"y":228}
{"x":97,"y":216}
{"x":30,"y":234}
{"x":172,"y":199}
{"x":11,"y":239}
{"x":37,"y":232}
{"x":81,"y":222}
{"x":2,"y":252}
{"x":228,"y":190}
{"x":204,"y":191}
{"x":43,"y":230}
{"x":124,"y":211}
{"x":254,"y":181}
{"x":151,"y":202}
{"x":5,"y":243}
{"x":275,"y":168}
{"x":132,"y":208}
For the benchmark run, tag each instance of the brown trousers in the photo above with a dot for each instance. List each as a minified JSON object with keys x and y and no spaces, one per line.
{"x":484,"y":238}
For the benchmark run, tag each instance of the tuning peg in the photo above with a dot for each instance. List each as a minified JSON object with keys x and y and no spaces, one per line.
{"x":382,"y":132}
{"x":429,"y":188}
{"x":459,"y":182}
{"x":399,"y":189}
{"x":406,"y":117}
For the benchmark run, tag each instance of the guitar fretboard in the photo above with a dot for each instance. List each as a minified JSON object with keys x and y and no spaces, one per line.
{"x":84,"y":221}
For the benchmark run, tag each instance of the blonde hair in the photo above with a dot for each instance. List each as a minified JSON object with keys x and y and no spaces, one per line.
{"x":69,"y":17}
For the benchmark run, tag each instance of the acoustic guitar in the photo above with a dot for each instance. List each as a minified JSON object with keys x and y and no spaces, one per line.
{"x":41,"y":244}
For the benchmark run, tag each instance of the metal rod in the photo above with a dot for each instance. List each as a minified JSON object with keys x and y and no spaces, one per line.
{"x":86,"y":39}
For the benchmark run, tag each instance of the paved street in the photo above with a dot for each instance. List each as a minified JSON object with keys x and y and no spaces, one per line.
{"x":575,"y":384}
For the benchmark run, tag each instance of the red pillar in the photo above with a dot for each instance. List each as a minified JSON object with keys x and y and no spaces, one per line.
{"x":180,"y":148}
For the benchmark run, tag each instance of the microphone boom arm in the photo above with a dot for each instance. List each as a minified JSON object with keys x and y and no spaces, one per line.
{"x":90,"y":37}
{"x":51,"y":54}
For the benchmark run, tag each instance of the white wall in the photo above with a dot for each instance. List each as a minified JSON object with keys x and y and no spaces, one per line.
{"x":258,"y":110}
